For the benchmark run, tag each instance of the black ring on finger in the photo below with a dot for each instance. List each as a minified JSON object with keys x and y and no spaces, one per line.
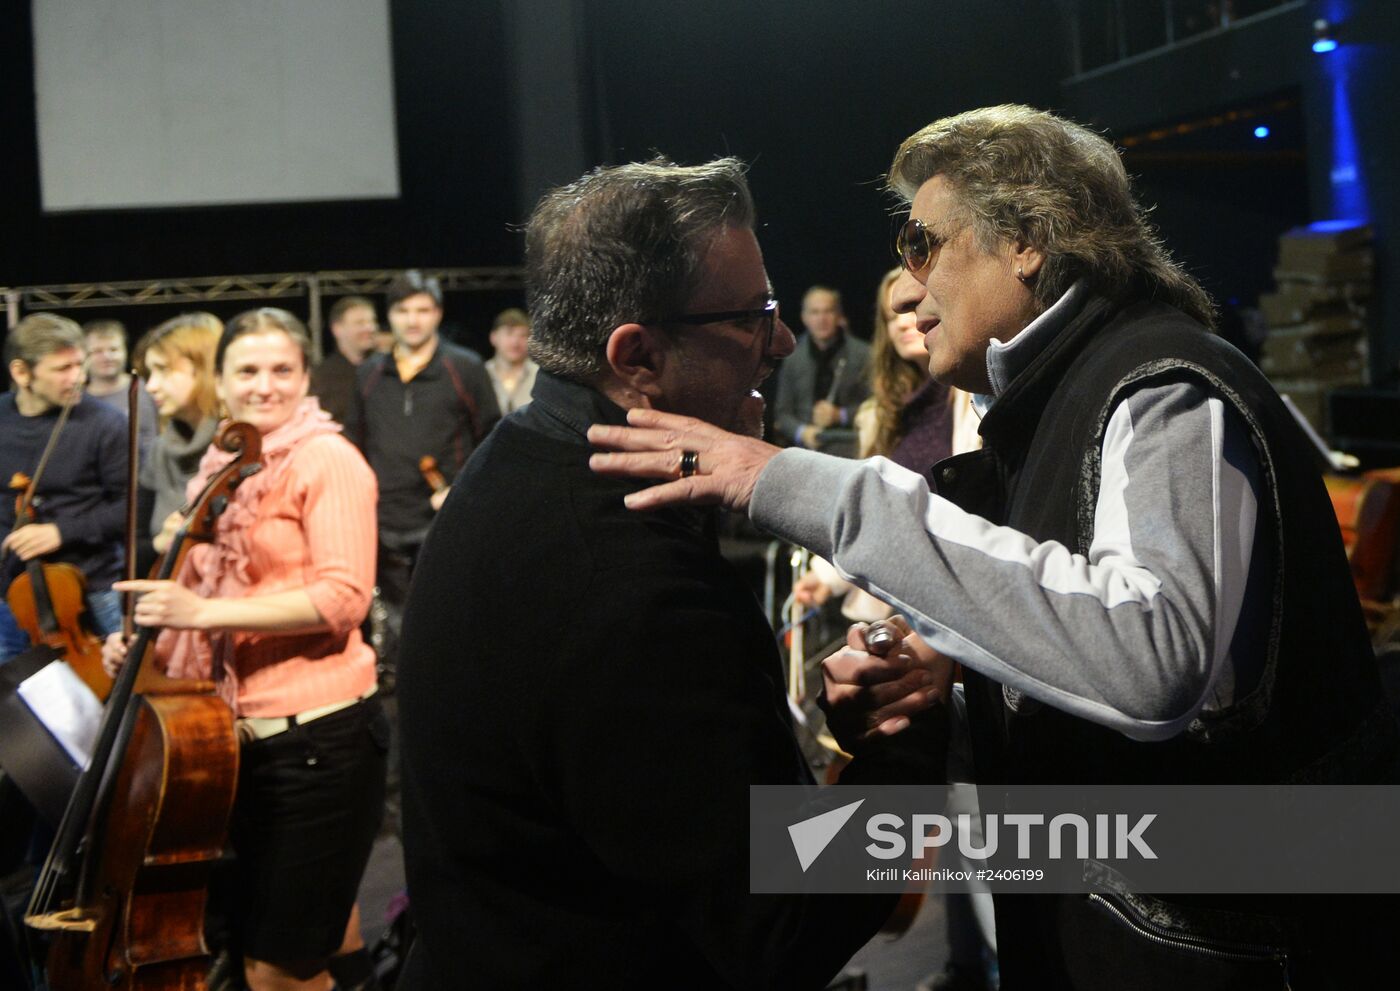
{"x":690,"y":463}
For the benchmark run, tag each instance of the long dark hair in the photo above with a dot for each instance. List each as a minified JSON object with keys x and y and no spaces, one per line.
{"x":893,"y":379}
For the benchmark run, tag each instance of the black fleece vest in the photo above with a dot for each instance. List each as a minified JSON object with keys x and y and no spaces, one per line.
{"x":1317,"y":714}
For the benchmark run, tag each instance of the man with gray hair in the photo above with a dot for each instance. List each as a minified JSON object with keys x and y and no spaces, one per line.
{"x":586,"y":695}
{"x":1109,"y":568}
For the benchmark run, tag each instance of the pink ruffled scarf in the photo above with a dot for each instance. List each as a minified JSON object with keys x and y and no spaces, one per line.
{"x":223,"y":564}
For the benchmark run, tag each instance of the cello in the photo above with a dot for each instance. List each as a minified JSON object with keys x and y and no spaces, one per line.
{"x":47,"y":599}
{"x":123,"y":889}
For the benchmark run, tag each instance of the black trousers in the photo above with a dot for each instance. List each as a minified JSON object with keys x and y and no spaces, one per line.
{"x":309,"y":805}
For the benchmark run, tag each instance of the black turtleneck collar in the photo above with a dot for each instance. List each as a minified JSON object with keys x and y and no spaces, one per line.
{"x":565,"y":409}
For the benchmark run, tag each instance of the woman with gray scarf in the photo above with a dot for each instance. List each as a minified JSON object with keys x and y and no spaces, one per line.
{"x":178,"y":362}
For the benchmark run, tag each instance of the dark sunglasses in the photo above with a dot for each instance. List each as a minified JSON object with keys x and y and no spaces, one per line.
{"x":767,"y":315}
{"x":917,"y":248}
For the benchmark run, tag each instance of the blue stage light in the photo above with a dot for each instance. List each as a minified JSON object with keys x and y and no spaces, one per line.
{"x":1324,"y":39}
{"x":1333,"y":226}
{"x":1261,"y":131}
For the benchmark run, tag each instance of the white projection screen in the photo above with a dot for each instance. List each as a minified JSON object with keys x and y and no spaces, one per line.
{"x":167,"y":103}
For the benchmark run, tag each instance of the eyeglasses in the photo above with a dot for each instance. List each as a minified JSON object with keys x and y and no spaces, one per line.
{"x":917,"y":248}
{"x":767,"y":315}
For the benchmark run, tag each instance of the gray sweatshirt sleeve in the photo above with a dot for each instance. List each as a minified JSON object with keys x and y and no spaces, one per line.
{"x":1135,"y":636}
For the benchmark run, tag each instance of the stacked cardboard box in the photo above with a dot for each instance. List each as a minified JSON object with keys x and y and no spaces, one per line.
{"x":1318,"y":315}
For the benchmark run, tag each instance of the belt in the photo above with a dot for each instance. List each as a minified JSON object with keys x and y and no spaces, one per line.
{"x":252,"y":728}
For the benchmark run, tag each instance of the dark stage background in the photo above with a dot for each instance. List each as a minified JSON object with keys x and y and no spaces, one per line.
{"x":496,"y":99}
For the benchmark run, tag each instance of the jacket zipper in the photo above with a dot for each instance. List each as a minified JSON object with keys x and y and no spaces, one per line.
{"x":1242,"y":951}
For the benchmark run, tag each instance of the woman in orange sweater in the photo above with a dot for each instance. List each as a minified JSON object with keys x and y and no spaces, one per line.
{"x":271,"y":611}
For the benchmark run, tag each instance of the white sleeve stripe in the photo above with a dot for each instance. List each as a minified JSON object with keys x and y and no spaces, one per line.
{"x":1112,"y":548}
{"x":1217,"y":458}
{"x":1234,"y":538}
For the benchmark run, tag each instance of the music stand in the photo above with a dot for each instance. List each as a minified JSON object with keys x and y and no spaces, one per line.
{"x":29,"y":754}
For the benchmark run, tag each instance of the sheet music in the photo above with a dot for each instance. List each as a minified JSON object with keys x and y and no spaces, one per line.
{"x":67,"y":708}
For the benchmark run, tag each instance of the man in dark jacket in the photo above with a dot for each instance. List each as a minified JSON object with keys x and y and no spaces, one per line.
{"x":81,"y":497}
{"x":333,"y":380}
{"x":824,"y":381}
{"x":425,"y":399}
{"x":587,"y":694}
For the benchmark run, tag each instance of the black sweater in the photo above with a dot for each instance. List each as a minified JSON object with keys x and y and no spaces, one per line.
{"x":83,"y":489}
{"x":443,"y":411}
{"x":586,"y":694}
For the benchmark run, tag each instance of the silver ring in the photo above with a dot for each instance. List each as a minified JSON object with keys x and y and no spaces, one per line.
{"x":690,"y":463}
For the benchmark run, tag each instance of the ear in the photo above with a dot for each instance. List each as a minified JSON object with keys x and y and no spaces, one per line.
{"x":19,"y":373}
{"x":637,"y":356}
{"x":1026,"y":261}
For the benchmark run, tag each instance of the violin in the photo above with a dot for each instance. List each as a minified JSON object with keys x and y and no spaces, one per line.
{"x":48,"y":599}
{"x":124,"y":886}
{"x":432,"y":474}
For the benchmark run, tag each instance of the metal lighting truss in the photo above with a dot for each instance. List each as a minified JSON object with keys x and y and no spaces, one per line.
{"x":311,"y":285}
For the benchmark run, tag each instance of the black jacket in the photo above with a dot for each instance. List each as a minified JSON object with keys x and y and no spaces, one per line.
{"x":333,"y":384}
{"x":797,"y":378}
{"x":1038,"y":473}
{"x":1317,"y":716}
{"x":586,"y":694}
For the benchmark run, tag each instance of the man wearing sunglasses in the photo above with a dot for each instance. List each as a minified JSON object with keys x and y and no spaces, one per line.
{"x":586,"y":694}
{"x":1140,"y":571}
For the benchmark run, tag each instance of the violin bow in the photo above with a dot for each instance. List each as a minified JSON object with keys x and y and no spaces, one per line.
{"x":133,"y":454}
{"x":24,"y":506}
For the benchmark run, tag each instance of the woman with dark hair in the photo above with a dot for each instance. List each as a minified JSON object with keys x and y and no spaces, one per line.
{"x":907,"y":410}
{"x":271,"y":611}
